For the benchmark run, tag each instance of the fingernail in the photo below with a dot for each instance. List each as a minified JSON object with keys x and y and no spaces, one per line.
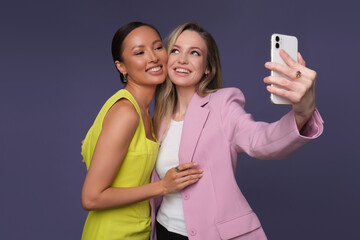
{"x":268,"y":64}
{"x":195,"y":163}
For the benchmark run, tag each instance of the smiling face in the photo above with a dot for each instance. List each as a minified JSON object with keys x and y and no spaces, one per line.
{"x":144,"y":57}
{"x":187,"y":60}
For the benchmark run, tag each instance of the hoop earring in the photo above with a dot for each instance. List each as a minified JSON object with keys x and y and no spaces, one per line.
{"x":124,"y":77}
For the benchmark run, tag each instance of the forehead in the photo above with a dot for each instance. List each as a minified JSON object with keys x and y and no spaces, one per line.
{"x":190,"y":38}
{"x":143,"y":35}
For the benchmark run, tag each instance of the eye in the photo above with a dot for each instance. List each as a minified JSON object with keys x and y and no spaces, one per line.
{"x":159,"y":47}
{"x":195,"y":53}
{"x":139,"y":53}
{"x":174,"y":51}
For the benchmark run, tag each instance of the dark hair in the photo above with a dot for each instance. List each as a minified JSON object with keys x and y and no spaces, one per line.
{"x":119,"y":37}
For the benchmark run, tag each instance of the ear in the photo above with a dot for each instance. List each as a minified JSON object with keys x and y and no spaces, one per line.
{"x":121,"y":67}
{"x":207,"y":71}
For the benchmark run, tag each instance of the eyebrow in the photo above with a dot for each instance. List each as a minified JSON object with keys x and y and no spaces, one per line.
{"x":190,"y":47}
{"x":140,"y":46}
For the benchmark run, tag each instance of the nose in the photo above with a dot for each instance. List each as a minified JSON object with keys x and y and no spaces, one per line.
{"x":182,"y":58}
{"x":153,"y":57}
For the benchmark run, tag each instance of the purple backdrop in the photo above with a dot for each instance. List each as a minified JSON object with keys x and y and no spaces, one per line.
{"x":57,"y":71}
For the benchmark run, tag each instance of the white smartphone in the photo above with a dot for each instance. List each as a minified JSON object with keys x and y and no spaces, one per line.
{"x":290,"y":45}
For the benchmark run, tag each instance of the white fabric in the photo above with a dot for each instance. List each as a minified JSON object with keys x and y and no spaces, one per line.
{"x":171,"y":214}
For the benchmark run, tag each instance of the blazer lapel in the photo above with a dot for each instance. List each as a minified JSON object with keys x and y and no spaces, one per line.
{"x":194,"y":121}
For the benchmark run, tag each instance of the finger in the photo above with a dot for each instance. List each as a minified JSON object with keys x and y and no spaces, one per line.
{"x":292,"y":96}
{"x":188,"y":181}
{"x":290,"y":72}
{"x":189,"y":172}
{"x":296,"y":66}
{"x":279,"y":92}
{"x":287,"y":59}
{"x":300,"y":85}
{"x":300,"y":65}
{"x":82,"y":141}
{"x":279,"y":81}
{"x":189,"y":177}
{"x":301,"y":60}
{"x":282,"y":69}
{"x":184,"y":166}
{"x":311,"y":74}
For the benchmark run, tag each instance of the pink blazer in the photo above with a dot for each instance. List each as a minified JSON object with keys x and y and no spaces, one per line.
{"x":216,"y":129}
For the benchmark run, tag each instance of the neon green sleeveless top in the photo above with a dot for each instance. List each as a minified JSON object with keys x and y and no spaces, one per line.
{"x":132,"y":221}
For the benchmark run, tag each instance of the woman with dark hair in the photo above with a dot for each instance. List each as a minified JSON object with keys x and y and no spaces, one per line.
{"x":197,"y":121}
{"x":120,"y":148}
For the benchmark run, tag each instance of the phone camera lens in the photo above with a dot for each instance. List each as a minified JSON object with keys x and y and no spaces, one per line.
{"x":277,"y":45}
{"x":277,"y":38}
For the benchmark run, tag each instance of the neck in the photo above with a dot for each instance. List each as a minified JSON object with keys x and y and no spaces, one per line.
{"x":142,"y":94}
{"x":184,"y":96}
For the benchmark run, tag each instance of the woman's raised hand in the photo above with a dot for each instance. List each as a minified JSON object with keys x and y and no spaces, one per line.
{"x":300,"y":92}
{"x":180,"y":177}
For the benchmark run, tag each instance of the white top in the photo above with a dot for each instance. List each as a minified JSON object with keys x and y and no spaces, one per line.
{"x":171,"y":214}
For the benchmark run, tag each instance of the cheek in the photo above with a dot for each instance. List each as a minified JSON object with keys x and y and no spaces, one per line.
{"x":164,"y":57}
{"x":200,"y":67}
{"x":171,"y":61}
{"x":139,"y":64}
{"x":204,"y":63}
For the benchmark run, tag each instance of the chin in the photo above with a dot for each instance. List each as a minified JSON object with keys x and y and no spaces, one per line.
{"x":184,"y":83}
{"x":159,"y":80}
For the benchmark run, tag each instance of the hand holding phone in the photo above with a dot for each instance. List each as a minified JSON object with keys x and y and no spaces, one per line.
{"x":297,"y":81}
{"x":290,"y":45}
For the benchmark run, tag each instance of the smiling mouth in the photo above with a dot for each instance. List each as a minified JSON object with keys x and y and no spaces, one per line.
{"x":154,"y":69}
{"x":182,"y":70}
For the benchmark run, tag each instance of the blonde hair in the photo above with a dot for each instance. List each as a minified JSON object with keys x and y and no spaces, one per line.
{"x":165,"y":95}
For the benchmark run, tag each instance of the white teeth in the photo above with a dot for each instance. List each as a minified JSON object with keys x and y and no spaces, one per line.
{"x":155,"y":69}
{"x":181,"y":70}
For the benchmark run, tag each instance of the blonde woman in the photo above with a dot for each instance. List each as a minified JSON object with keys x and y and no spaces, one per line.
{"x":198,"y":121}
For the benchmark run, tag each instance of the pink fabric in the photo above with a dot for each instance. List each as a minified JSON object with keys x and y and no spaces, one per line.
{"x":216,"y":129}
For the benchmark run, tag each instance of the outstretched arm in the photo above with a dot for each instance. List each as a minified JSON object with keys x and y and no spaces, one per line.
{"x":264,"y":140}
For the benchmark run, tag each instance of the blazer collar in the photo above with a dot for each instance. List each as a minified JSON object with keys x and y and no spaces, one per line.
{"x":197,"y":100}
{"x":194,"y":121}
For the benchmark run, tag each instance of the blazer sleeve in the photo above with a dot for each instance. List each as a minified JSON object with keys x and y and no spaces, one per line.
{"x":263,"y":140}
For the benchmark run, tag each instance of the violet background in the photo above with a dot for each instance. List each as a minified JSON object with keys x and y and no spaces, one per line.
{"x":56,"y":72}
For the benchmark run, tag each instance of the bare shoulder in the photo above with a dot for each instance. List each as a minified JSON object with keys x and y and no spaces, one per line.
{"x":122,"y":116}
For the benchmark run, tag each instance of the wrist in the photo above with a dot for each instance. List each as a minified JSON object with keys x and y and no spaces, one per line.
{"x":302,"y":119}
{"x":161,"y":189}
